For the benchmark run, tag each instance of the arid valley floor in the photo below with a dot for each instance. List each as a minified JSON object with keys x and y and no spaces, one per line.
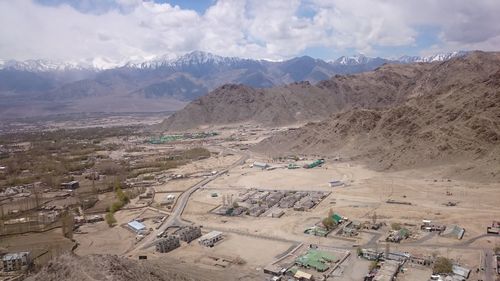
{"x":219,"y":171}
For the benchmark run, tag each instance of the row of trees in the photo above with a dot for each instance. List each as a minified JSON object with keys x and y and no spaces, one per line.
{"x":123,"y":199}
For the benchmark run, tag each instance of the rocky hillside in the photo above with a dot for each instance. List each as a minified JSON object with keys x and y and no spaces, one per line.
{"x":450,"y":112}
{"x":386,"y":86}
{"x":108,"y":267}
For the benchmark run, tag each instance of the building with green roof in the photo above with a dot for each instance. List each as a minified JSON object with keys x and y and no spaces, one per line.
{"x":318,"y":260}
{"x":337,"y":218}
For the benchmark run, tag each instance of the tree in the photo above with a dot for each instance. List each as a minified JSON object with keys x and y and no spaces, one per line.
{"x":442,"y":265}
{"x":359,"y":252}
{"x":328,"y":223}
{"x":110,"y":219}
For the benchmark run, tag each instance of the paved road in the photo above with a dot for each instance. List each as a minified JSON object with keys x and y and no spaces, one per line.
{"x":489,"y":270}
{"x":175,"y":219}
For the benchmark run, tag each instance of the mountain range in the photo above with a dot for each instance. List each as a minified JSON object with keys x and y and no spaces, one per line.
{"x":399,"y":115}
{"x":39,"y":87}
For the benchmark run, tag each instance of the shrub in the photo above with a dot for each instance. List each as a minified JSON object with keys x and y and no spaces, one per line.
{"x":442,"y":265}
{"x":396,"y":226}
{"x":328,"y":223}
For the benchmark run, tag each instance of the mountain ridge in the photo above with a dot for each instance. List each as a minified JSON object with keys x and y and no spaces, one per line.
{"x":159,"y":85}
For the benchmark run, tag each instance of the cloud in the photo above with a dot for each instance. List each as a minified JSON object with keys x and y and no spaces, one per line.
{"x":121,"y":30}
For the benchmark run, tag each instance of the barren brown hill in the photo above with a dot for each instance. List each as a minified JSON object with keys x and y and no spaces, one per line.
{"x":289,"y":104}
{"x":451,"y":115}
{"x":110,"y":267}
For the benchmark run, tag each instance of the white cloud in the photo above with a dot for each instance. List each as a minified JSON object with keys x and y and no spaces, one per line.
{"x":247,"y":28}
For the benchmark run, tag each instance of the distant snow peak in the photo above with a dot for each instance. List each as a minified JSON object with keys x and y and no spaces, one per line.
{"x":42,"y":65}
{"x":353,"y":60}
{"x":433,"y":58}
{"x":192,"y":59}
{"x":188,"y":59}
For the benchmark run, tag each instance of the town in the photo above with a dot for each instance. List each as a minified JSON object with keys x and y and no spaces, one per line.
{"x":204,"y":198}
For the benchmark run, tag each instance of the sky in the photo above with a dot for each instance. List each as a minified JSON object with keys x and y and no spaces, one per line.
{"x":135,"y":30}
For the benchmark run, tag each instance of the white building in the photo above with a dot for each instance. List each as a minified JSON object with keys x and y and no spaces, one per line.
{"x":260,"y":165}
{"x":335,"y":183}
{"x":210,"y":239}
{"x":169,"y":200}
{"x":16,"y":261}
{"x":137,"y":227}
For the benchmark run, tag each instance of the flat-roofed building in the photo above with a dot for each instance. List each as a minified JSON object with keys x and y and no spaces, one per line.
{"x":210,"y":239}
{"x":70,"y":185}
{"x":136,"y":227}
{"x":16,"y":261}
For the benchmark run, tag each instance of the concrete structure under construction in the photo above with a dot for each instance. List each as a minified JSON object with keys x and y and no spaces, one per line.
{"x":167,"y":244}
{"x":188,"y":233}
{"x":210,"y":239}
{"x":16,"y":261}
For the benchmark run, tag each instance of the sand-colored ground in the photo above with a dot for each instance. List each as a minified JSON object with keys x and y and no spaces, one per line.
{"x":43,"y":246}
{"x":261,"y":252}
{"x":99,"y":238}
{"x":179,"y":185}
{"x":214,"y":163}
{"x":415,"y":273}
{"x":366,"y":193}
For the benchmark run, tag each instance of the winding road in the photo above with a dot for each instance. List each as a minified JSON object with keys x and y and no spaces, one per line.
{"x":175,"y":217}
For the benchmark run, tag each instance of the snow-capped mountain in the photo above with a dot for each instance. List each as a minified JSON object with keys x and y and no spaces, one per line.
{"x":190,"y":59}
{"x":362,"y":59}
{"x":433,"y":58}
{"x":353,"y":60}
{"x":173,"y":80}
{"x":196,"y":58}
{"x":41,"y":65}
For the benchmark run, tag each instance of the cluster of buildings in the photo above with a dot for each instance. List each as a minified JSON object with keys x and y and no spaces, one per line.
{"x":347,"y":228}
{"x":257,"y":202}
{"x":23,"y":190}
{"x":397,"y":236}
{"x":391,"y":263}
{"x":305,"y":266}
{"x":80,"y":220}
{"x":187,"y":234}
{"x":428,"y":225}
{"x":453,"y":231}
{"x":169,"y":242}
